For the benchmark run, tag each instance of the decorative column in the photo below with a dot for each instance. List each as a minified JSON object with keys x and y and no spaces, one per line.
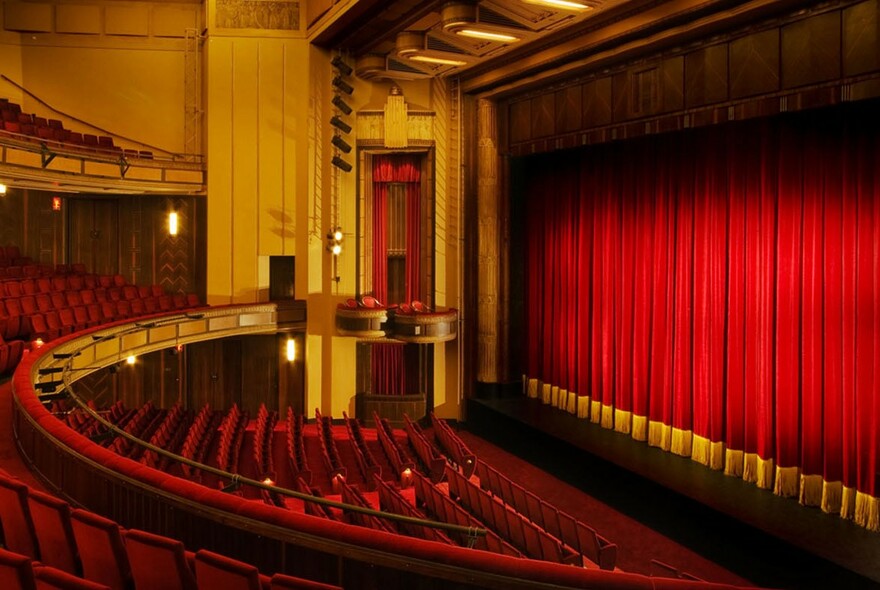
{"x":490,"y":258}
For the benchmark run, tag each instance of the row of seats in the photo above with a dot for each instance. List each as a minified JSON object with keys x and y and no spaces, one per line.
{"x":556,"y":522}
{"x":10,"y":353}
{"x":263,"y":430}
{"x":397,"y":455}
{"x":363,"y":455}
{"x":433,"y":462}
{"x":296,"y":447}
{"x":86,"y":551}
{"x":511,"y":526}
{"x":392,"y":500}
{"x":231,"y":435}
{"x":440,"y":506}
{"x":329,"y":453}
{"x":455,"y":448}
{"x":51,"y":132}
{"x":198,"y":439}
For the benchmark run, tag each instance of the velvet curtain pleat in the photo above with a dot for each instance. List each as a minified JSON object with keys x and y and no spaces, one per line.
{"x":388,"y":369}
{"x":717,"y":294}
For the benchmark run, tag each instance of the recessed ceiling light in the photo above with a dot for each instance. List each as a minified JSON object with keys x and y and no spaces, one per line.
{"x":487,"y":35}
{"x":564,"y":4}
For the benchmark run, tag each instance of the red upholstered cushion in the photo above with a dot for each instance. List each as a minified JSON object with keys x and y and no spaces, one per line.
{"x":49,"y":578}
{"x":51,"y":518}
{"x":158,"y":562}
{"x":282,"y":582}
{"x":15,"y":571}
{"x":101,"y":549}
{"x":15,"y":516}
{"x":219,"y":572}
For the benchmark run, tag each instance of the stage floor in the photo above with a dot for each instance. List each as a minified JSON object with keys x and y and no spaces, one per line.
{"x":773,"y":541}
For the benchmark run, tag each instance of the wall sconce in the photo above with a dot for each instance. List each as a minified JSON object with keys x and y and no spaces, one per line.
{"x":334,"y":241}
{"x":56,"y":203}
{"x":172,"y":223}
{"x":131,"y":360}
{"x":291,"y":350}
{"x":3,"y":188}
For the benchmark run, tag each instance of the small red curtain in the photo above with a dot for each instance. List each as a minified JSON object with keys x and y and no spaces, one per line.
{"x":388,"y":370}
{"x":717,"y":293}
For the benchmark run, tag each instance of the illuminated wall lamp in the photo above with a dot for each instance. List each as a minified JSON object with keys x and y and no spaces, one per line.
{"x":3,"y":188}
{"x":172,"y":223}
{"x":291,"y":350}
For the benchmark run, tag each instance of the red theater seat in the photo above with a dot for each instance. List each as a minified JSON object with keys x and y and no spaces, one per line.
{"x":49,"y":578}
{"x":15,"y":518}
{"x":51,"y":518}
{"x":218,"y":572}
{"x":101,"y":550}
{"x":16,"y":572}
{"x":157,"y":562}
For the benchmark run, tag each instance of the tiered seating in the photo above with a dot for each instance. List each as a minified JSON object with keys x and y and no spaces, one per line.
{"x":32,"y":128}
{"x":42,"y":303}
{"x":329,"y":452}
{"x":198,"y":438}
{"x":135,"y":426}
{"x":365,"y":460}
{"x":433,"y":464}
{"x":167,"y":436}
{"x":445,"y":509}
{"x":78,"y":549}
{"x":518,"y":531}
{"x":391,"y":500}
{"x":263,"y":432}
{"x":231,"y":436}
{"x":454,"y":446}
{"x":396,"y":454}
{"x":352,"y":495}
{"x":296,"y":448}
{"x":583,"y":538}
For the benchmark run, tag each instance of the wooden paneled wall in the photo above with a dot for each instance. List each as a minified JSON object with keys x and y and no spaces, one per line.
{"x":124,"y":235}
{"x":813,"y":58}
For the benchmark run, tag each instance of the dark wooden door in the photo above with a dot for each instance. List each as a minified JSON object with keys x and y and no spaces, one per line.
{"x":93,"y":234}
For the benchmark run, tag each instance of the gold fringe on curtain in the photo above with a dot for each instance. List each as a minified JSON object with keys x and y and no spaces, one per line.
{"x":583,"y":406}
{"x":607,"y":416}
{"x":733,"y":463}
{"x":811,"y":490}
{"x":765,"y":473}
{"x":832,"y":495}
{"x":545,"y":393}
{"x":640,"y":428}
{"x":700,"y":452}
{"x":533,"y":388}
{"x":622,"y":421}
{"x":595,"y":411}
{"x":867,"y":511}
{"x":750,"y":467}
{"x":554,"y":396}
{"x":848,"y":503}
{"x":562,"y":400}
{"x":573,"y":399}
{"x":682,"y":442}
{"x":659,"y":435}
{"x":716,"y":455}
{"x":787,"y":482}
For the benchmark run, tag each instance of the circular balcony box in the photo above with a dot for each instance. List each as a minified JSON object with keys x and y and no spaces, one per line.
{"x":425,"y":327}
{"x":368,"y":323}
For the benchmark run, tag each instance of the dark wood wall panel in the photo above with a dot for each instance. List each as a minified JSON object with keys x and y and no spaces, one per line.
{"x":672,"y":84}
{"x":811,"y":50}
{"x":707,"y":74}
{"x":815,"y":57}
{"x":861,"y":50}
{"x":754,"y":64}
{"x":93,"y":233}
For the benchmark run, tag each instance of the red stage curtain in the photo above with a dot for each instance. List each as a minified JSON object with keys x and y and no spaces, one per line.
{"x":388,"y":369}
{"x":717,"y":293}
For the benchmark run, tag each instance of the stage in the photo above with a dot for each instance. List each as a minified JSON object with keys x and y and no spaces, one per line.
{"x":773,"y":541}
